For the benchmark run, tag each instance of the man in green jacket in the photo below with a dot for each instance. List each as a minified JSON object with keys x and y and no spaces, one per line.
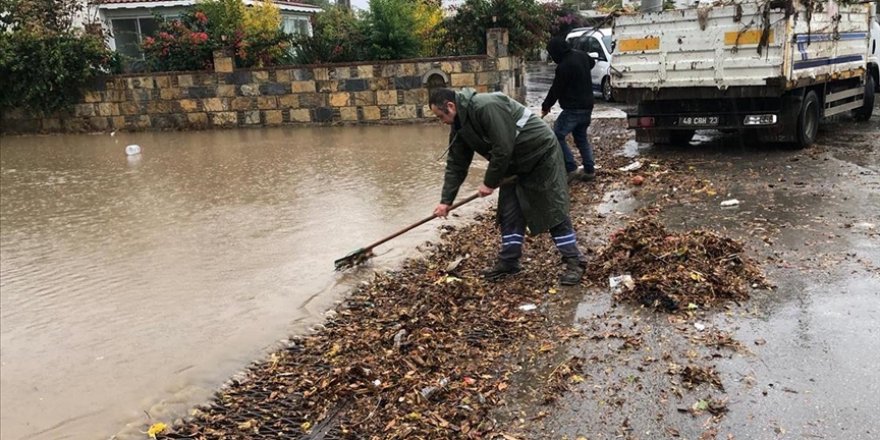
{"x":516,"y":143}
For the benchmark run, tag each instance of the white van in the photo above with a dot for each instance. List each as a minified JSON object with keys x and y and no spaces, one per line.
{"x":597,"y":43}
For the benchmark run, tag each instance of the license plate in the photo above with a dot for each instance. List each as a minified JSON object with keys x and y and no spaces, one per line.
{"x":702,"y":121}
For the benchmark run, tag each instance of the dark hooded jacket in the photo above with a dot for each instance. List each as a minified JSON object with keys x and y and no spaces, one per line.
{"x":516,"y":143}
{"x":572,"y":85}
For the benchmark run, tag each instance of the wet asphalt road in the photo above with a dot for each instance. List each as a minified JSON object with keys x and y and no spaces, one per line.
{"x":812,"y":345}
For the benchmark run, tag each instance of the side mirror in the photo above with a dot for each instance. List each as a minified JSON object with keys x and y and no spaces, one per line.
{"x":594,"y":55}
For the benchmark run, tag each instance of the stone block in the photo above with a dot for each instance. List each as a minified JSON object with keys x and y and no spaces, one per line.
{"x":312,"y":100}
{"x":161,"y":107}
{"x":91,"y":97}
{"x":365,"y":71}
{"x":488,"y":78}
{"x":260,"y":76}
{"x":342,"y":72}
{"x":83,"y":110}
{"x":242,"y":103}
{"x":129,"y":108}
{"x":140,"y":122}
{"x":426,"y":112}
{"x":170,"y":94}
{"x":74,"y":125}
{"x":223,"y":64}
{"x":323,"y":114}
{"x":275,"y":89}
{"x":377,"y":84}
{"x":348,"y":113}
{"x":241,"y":77}
{"x":450,"y":66}
{"x":386,"y":97}
{"x":503,"y":63}
{"x":273,"y":117}
{"x":140,"y":83}
{"x":327,"y":86}
{"x":403,"y":112}
{"x":108,"y":109}
{"x":462,"y":79}
{"x":319,"y":74}
{"x":355,"y":85}
{"x":197,"y":120}
{"x":388,"y":70}
{"x":372,"y":113}
{"x":282,"y":75}
{"x":118,"y":122}
{"x":363,"y":98}
{"x":214,"y":105}
{"x":252,"y":117}
{"x":185,"y":81}
{"x":139,"y":95}
{"x":168,"y":121}
{"x":288,"y":101}
{"x":162,"y":81}
{"x":303,"y":86}
{"x":415,"y":96}
{"x":186,"y":105}
{"x":267,"y":103}
{"x":341,"y":99}
{"x":226,"y":91}
{"x":306,"y":74}
{"x":407,"y":69}
{"x":300,"y":115}
{"x":114,"y":96}
{"x":200,"y":92}
{"x":407,"y":82}
{"x":224,"y":119}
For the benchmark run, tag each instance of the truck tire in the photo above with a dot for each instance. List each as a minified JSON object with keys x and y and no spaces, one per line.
{"x":681,"y":137}
{"x":864,"y":113}
{"x":808,"y":121}
{"x":607,"y":91}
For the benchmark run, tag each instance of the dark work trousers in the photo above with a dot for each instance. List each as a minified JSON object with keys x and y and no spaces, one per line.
{"x":513,"y":229}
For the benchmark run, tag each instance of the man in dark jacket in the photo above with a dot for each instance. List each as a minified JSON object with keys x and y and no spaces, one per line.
{"x":573,"y":87}
{"x":516,"y":143}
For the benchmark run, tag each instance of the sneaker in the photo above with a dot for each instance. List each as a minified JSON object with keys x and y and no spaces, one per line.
{"x":588,"y":177}
{"x":575,"y":175}
{"x":501,"y":269}
{"x":573,"y":272}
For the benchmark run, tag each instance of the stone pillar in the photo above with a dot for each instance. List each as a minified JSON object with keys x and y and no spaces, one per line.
{"x":222,"y":62}
{"x":497,"y":40}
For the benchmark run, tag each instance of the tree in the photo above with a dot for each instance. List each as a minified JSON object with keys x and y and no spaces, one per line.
{"x":391,"y":28}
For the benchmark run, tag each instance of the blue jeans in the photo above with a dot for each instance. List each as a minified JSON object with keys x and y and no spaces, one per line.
{"x":575,"y":122}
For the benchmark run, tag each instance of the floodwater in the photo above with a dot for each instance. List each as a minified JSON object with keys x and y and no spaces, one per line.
{"x":132,"y":287}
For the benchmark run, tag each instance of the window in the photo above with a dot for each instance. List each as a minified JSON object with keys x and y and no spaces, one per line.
{"x":296,"y":25}
{"x":129,"y":33}
{"x":591,"y":44}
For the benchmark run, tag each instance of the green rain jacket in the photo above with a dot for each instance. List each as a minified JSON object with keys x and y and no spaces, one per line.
{"x":516,"y":143}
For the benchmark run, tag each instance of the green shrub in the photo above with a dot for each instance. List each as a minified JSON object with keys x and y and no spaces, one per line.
{"x":338,"y":35}
{"x":527,"y":22}
{"x":43,"y":63}
{"x":392,"y":31}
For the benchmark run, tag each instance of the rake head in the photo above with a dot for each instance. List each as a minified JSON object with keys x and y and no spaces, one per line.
{"x":355,"y":258}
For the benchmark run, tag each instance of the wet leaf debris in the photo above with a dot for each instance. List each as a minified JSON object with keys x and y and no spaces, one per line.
{"x":415,"y":353}
{"x":671,"y":271}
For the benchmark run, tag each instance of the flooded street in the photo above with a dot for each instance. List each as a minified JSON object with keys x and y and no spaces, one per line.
{"x":140,"y":284}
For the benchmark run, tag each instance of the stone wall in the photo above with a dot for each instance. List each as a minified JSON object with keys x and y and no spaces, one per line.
{"x":371,"y":92}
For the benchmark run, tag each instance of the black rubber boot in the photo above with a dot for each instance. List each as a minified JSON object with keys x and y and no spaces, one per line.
{"x":501,"y":269}
{"x":572,"y":273}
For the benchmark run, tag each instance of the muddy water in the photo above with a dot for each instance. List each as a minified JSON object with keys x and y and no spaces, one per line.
{"x":139,"y":284}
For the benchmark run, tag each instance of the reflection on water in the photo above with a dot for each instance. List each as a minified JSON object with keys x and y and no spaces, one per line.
{"x":133,"y":283}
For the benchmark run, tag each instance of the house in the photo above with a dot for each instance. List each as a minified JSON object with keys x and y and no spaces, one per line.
{"x":130,"y":21}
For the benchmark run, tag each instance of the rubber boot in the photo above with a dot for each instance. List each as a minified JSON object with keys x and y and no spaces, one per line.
{"x":572,"y":273}
{"x":501,"y":269}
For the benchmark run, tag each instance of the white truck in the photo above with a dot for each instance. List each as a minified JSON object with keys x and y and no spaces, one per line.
{"x":775,"y":68}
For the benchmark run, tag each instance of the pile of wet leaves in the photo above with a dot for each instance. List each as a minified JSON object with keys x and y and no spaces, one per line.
{"x":415,"y":353}
{"x":655,"y":267}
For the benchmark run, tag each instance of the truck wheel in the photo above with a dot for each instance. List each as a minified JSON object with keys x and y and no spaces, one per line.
{"x":681,"y":137}
{"x":607,"y":92}
{"x":808,"y":121}
{"x":864,"y":113}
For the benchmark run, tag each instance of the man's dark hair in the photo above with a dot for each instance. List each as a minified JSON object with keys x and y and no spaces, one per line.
{"x":440,"y":97}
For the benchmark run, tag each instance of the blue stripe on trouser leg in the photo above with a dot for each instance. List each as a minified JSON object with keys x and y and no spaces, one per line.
{"x":566,"y":241}
{"x":513,"y":224}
